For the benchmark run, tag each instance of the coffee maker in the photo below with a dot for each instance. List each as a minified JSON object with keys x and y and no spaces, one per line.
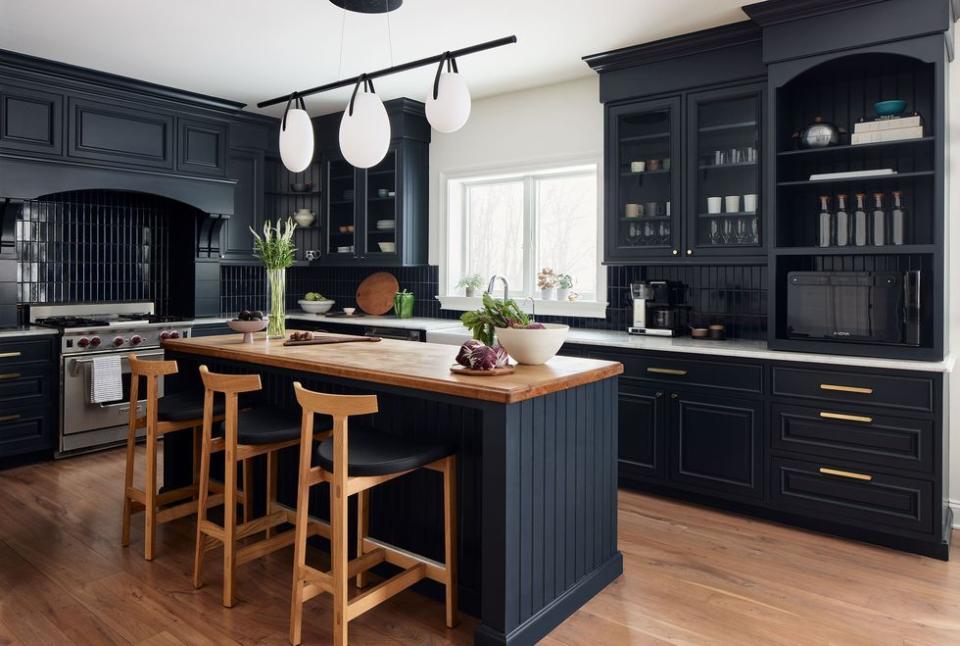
{"x":658,"y":307}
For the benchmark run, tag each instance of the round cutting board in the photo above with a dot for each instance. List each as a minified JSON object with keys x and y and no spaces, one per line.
{"x":375,"y":294}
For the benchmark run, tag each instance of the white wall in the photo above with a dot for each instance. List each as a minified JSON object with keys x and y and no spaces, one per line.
{"x":953,"y":277}
{"x":553,"y":122}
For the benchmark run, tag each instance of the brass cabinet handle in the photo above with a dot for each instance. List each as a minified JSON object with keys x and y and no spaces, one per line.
{"x":9,"y":375}
{"x":847,"y":418}
{"x":847,"y":389}
{"x":667,"y":371}
{"x":9,"y":418}
{"x":9,"y":355}
{"x":827,"y":471}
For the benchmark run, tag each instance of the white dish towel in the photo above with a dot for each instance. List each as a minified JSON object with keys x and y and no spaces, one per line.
{"x":106,"y":383}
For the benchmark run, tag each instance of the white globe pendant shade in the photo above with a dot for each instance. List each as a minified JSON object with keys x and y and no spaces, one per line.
{"x":365,"y":134}
{"x":296,"y":141}
{"x":451,"y":109}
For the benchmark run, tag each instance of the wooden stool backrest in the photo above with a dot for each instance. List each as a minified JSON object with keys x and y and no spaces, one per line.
{"x":340,"y":408}
{"x":151,"y":370}
{"x":230,"y":386}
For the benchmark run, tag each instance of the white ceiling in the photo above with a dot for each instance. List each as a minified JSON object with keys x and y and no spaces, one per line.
{"x":252,"y":50}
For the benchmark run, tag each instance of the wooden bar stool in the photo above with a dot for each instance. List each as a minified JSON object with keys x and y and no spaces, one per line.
{"x":372,"y":459}
{"x":245,"y":435}
{"x":167,"y":414}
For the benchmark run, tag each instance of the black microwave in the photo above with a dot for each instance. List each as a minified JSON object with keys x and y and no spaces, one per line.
{"x":856,"y":306}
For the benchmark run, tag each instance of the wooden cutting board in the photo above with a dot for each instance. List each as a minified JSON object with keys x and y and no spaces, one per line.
{"x":375,"y":294}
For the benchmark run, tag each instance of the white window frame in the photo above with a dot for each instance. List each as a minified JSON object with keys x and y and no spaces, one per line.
{"x":527,"y":172}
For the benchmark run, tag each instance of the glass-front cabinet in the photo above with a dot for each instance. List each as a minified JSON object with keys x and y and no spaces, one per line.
{"x":642,"y":209}
{"x":723,"y":206}
{"x":380,"y":221}
{"x":341,"y":204}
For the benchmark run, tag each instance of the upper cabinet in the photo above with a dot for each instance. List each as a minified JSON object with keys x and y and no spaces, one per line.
{"x":683,"y":158}
{"x":31,"y":120}
{"x":202,"y":147}
{"x":113,"y":133}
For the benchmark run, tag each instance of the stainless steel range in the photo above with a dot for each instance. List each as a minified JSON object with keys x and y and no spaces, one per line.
{"x":97,"y":330}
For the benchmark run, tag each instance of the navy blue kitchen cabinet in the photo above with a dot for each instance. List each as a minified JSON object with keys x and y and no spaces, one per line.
{"x":31,"y":119}
{"x":28,"y":395}
{"x":246,"y":168}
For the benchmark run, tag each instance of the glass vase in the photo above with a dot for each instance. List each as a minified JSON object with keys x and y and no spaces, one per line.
{"x":277,"y":319}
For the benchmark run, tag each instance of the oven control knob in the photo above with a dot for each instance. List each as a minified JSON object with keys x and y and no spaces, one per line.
{"x":118,"y":341}
{"x":95,"y":342}
{"x":174,"y":334}
{"x":136,"y":339}
{"x":83,"y":342}
{"x":165,"y":335}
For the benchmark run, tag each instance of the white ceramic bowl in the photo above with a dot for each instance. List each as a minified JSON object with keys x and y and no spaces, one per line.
{"x":316,"y":307}
{"x":386,"y":225}
{"x":387,"y":247}
{"x":533,"y":347}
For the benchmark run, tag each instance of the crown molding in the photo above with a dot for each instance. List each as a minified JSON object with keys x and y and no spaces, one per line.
{"x":774,"y":12}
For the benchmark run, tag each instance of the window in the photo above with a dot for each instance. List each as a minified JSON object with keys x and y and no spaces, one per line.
{"x":516,"y":224}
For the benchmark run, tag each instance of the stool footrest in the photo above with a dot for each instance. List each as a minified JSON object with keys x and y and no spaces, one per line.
{"x":402,"y":558}
{"x":384,"y":590}
{"x":261,"y":524}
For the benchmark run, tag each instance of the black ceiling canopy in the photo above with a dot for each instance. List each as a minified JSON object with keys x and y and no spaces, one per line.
{"x":368,"y":6}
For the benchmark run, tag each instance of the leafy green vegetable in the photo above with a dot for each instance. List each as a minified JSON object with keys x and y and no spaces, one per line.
{"x":495,"y":313}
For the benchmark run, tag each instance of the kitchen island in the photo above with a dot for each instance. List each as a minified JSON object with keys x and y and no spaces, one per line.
{"x":537,"y":455}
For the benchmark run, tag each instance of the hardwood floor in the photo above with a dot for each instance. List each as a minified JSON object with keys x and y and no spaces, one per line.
{"x":692,"y":576}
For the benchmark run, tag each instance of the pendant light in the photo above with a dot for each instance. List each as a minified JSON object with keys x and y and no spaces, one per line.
{"x":365,"y":127}
{"x":296,"y":136}
{"x":448,"y":105}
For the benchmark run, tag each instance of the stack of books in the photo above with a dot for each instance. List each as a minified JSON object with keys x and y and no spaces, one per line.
{"x":887,"y":129}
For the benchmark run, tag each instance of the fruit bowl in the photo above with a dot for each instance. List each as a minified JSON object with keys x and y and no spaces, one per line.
{"x":316,"y":307}
{"x":532,"y":346}
{"x":247,"y":327}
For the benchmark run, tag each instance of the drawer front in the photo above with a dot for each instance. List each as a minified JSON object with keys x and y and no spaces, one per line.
{"x":26,"y":350}
{"x":829,"y":432}
{"x":25,"y":432}
{"x":24,"y":387}
{"x":852,"y":496}
{"x":726,"y":375}
{"x":850,"y":387}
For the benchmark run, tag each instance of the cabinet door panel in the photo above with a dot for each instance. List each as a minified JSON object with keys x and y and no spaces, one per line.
{"x":247,"y":169}
{"x":30,"y":120}
{"x":716,"y":444}
{"x":25,"y":431}
{"x":641,"y":432}
{"x":122,"y":135}
{"x":203,"y":146}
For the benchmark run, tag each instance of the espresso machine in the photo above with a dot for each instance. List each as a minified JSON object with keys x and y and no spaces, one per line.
{"x":658,"y":307}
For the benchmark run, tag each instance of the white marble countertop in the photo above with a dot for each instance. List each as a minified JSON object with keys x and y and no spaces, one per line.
{"x":457,"y":334}
{"x":26,"y":330}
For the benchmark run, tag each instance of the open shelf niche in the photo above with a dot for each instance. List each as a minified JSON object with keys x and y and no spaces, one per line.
{"x":280,"y":201}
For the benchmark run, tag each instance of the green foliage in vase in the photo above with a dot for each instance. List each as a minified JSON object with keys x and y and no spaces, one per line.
{"x":275,"y":247}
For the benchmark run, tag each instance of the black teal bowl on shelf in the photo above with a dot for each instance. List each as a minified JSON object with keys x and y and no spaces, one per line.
{"x":890,"y":108}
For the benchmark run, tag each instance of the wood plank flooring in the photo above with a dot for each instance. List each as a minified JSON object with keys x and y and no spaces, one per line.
{"x":692,"y":576}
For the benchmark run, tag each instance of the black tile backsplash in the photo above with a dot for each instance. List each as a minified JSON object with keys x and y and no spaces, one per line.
{"x":734,"y":295}
{"x":89,"y":246}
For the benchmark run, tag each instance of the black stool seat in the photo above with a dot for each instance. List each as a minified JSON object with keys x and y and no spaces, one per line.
{"x":372,"y":453}
{"x":184,"y":406}
{"x":265,"y":425}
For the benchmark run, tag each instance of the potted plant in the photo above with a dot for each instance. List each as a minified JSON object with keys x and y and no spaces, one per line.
{"x":547,"y":283}
{"x":470,"y":284}
{"x":276,"y":251}
{"x":526,"y":341}
{"x":564,"y":284}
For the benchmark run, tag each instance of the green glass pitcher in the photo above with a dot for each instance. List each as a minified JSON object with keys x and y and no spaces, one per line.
{"x":403,"y":304}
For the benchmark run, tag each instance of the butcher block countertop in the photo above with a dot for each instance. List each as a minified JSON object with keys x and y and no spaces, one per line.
{"x":420,"y":366}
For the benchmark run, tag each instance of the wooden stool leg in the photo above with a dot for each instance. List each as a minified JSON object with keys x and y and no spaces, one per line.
{"x":197,"y":457}
{"x":450,"y":537}
{"x":128,"y":482}
{"x":229,"y":524}
{"x":204,"y":492}
{"x":150,"y":490}
{"x":247,"y":490}
{"x":338,"y":560}
{"x":271,"y":487}
{"x":363,"y":528}
{"x":300,"y":538}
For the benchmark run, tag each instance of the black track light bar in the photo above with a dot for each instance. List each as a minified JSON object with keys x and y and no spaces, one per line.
{"x":423,"y":62}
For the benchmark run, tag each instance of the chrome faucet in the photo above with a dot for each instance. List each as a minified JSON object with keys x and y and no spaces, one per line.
{"x":506,"y":286}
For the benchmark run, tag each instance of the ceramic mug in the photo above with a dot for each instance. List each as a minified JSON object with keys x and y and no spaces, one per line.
{"x":631,"y":210}
{"x":714,"y":204}
{"x":312,"y":254}
{"x":732,"y":203}
{"x":637,"y":166}
{"x":651,"y":209}
{"x":750,"y":203}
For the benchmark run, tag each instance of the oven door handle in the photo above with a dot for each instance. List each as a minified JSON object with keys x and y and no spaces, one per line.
{"x":124,"y":406}
{"x":78,"y":362}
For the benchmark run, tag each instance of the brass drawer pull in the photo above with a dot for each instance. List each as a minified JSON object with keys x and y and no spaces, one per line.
{"x":847,"y":389}
{"x":827,"y":471}
{"x":9,"y":355}
{"x":667,"y":371}
{"x":847,"y":418}
{"x":9,"y":418}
